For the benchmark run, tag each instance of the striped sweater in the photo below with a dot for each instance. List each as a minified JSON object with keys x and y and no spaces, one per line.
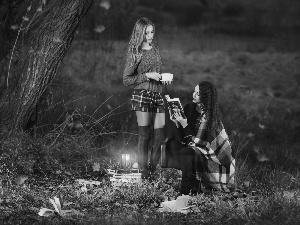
{"x":134,"y":73}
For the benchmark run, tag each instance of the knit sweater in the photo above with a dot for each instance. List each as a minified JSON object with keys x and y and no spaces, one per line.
{"x":134,"y":73}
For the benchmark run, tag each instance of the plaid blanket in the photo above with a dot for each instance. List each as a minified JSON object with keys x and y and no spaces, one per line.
{"x":215,"y":165}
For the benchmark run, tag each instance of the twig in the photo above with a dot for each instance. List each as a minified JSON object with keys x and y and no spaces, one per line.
{"x":12,"y":52}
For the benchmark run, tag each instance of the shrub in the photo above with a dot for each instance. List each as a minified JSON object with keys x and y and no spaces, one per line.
{"x":20,"y":154}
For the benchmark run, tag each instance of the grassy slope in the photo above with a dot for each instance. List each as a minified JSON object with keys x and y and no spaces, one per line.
{"x":228,"y":62}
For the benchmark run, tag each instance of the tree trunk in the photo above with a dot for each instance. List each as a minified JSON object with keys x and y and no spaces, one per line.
{"x":46,"y":34}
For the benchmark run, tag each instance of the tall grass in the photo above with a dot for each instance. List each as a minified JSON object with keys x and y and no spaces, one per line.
{"x":257,"y":80}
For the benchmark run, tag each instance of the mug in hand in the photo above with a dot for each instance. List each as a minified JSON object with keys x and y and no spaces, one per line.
{"x":166,"y":77}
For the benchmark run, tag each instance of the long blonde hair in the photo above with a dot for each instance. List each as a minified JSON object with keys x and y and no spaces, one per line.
{"x":137,"y":39}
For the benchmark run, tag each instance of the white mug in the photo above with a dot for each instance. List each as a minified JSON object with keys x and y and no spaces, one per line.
{"x":166,"y":77}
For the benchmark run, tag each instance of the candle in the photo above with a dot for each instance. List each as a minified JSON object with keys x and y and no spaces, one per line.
{"x":125,"y":160}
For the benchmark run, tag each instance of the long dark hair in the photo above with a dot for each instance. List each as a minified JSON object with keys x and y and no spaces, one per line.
{"x":210,"y":102}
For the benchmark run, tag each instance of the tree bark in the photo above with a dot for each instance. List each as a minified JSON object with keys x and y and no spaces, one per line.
{"x":45,"y":37}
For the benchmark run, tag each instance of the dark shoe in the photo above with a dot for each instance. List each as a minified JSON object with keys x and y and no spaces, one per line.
{"x":195,"y":191}
{"x":145,"y":174}
{"x":207,"y":191}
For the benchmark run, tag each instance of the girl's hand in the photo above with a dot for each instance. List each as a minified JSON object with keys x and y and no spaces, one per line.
{"x":166,"y":82}
{"x":180,"y":119}
{"x":175,"y":121}
{"x":153,"y":75}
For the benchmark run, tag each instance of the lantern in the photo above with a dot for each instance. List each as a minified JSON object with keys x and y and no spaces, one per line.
{"x":125,"y":160}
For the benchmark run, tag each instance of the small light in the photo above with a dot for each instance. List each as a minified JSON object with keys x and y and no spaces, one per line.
{"x":125,"y":160}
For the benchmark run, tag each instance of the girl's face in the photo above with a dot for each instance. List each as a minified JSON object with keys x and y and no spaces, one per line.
{"x":149,"y":33}
{"x":196,"y":95}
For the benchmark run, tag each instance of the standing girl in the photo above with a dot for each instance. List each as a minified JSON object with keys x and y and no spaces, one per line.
{"x":142,"y":70}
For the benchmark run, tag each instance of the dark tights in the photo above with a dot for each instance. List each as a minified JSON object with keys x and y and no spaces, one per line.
{"x":189,"y":181}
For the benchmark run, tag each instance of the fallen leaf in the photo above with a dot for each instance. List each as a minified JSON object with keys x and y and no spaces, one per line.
{"x":96,"y":166}
{"x":67,"y":173}
{"x":57,"y":39}
{"x":250,"y":135}
{"x":270,"y":92}
{"x":68,"y":203}
{"x":105,"y":4}
{"x":256,"y":149}
{"x":99,"y":28}
{"x":46,"y":212}
{"x":39,"y":9}
{"x":25,"y":18}
{"x":261,"y":126}
{"x":83,"y":188}
{"x":262,"y":158}
{"x":14,"y":27}
{"x":135,"y":165}
{"x":21,"y":179}
{"x":247,"y":183}
{"x":109,"y":107}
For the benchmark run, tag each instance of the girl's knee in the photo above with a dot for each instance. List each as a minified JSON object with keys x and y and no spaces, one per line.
{"x":187,"y":151}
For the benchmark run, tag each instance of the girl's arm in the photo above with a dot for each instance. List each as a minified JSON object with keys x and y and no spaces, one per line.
{"x":200,"y":136}
{"x":186,"y":130}
{"x":130,"y":76}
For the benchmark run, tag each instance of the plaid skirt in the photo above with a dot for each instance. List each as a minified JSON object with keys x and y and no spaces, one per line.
{"x":147,"y":101}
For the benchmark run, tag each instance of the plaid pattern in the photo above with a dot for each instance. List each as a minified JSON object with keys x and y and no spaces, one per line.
{"x":214,"y":162}
{"x":147,"y":101}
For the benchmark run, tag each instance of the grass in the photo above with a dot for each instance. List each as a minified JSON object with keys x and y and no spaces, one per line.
{"x":257,"y":81}
{"x":53,"y":167}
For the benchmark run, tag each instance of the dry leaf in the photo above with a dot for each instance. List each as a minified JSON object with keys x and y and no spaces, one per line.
{"x":262,"y":158}
{"x":99,"y":28}
{"x":105,"y":4}
{"x":247,"y":184}
{"x":135,"y":165}
{"x":83,"y":188}
{"x":261,"y":126}
{"x":109,"y":107}
{"x":46,"y":212}
{"x":25,"y":18}
{"x":39,"y":9}
{"x":96,"y":166}
{"x":21,"y":179}
{"x":270,"y":92}
{"x":68,"y":203}
{"x":57,"y":39}
{"x":14,"y":27}
{"x":256,"y":149}
{"x":250,"y":135}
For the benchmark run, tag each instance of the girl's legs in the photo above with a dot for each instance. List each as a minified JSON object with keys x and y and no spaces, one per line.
{"x":143,"y":120}
{"x":159,"y":136}
{"x":189,"y":181}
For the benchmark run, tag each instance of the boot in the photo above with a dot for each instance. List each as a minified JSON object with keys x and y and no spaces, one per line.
{"x":189,"y":181}
{"x":143,"y":140}
{"x":159,"y":136}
